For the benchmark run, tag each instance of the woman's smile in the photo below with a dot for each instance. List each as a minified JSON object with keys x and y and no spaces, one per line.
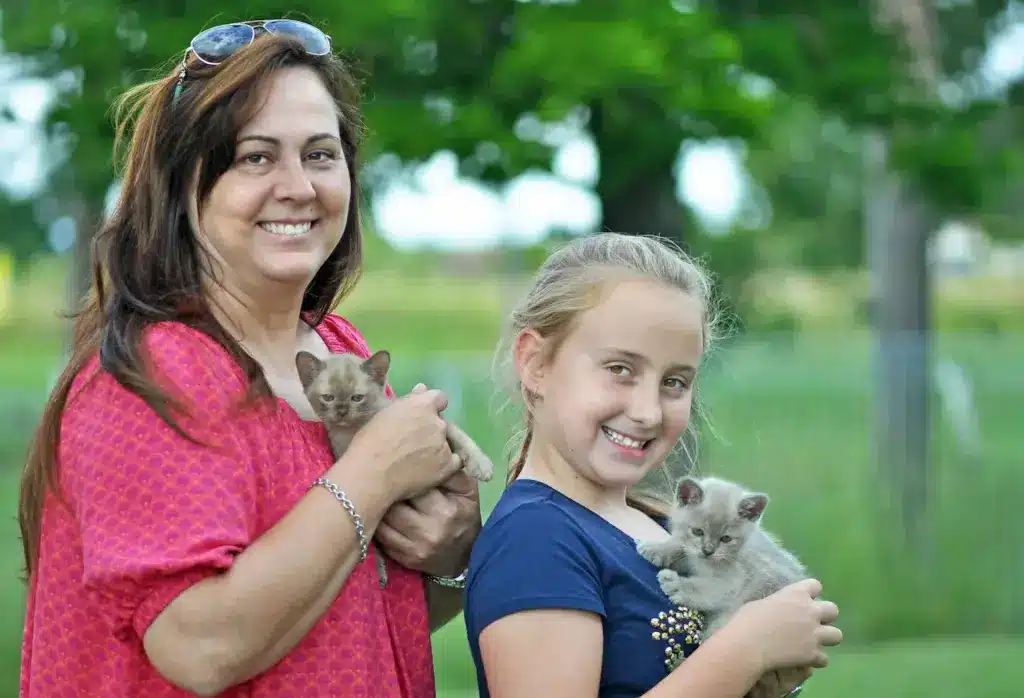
{"x":289,"y":228}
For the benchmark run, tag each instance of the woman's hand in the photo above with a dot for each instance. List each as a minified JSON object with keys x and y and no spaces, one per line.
{"x":407,"y":443}
{"x":434,"y":532}
{"x":788,"y":629}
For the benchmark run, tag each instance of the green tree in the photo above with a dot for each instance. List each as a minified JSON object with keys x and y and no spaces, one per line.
{"x":473,"y":76}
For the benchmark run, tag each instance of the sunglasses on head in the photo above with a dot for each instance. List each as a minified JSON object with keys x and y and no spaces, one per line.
{"x":217,"y":44}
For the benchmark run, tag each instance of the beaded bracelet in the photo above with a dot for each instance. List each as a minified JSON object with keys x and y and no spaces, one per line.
{"x":339,"y":494}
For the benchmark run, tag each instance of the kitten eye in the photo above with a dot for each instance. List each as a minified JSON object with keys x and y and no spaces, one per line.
{"x":699,"y":532}
{"x":357,"y":398}
{"x":327,"y":398}
{"x":726,"y":539}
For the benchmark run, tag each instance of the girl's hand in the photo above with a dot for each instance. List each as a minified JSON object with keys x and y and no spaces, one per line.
{"x":790,"y":628}
{"x":780,"y":683}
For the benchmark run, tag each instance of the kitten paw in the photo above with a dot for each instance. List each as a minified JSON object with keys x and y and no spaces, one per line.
{"x":648,"y":551}
{"x":477,"y":466}
{"x":674,"y":586}
{"x":668,"y":577}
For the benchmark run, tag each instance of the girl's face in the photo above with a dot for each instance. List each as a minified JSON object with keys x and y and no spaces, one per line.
{"x":616,"y":396}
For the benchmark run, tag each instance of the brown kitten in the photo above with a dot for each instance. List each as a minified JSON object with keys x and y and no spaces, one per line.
{"x":718,"y":557}
{"x":346,"y":391}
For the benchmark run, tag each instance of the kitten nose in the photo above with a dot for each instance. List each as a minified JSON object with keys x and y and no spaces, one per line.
{"x":707,"y":550}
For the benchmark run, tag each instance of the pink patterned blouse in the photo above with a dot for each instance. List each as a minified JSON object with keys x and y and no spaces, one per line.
{"x":149,"y":514}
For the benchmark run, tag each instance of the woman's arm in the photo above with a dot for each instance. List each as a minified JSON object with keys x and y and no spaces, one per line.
{"x":228,"y":628}
{"x":563,"y":650}
{"x":434,"y":534}
{"x":443,"y":604}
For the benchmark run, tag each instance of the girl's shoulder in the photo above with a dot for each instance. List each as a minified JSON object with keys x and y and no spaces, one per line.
{"x":531,"y":553}
{"x":533,"y":520}
{"x":528,"y":504}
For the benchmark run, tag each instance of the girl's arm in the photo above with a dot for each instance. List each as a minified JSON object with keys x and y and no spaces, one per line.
{"x":563,"y":650}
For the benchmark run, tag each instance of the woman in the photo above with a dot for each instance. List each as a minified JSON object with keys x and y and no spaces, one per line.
{"x":186,"y":527}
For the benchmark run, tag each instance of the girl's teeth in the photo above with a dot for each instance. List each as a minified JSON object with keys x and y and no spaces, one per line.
{"x":287,"y":228}
{"x":623,"y":440}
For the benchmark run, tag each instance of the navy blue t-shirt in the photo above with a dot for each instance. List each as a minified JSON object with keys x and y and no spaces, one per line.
{"x":540,"y":549}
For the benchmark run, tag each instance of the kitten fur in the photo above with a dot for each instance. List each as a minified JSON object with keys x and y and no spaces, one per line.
{"x":346,"y":391}
{"x":718,"y":557}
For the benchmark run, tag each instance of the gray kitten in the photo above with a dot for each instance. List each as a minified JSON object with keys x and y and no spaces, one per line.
{"x":718,"y":557}
{"x":346,"y":391}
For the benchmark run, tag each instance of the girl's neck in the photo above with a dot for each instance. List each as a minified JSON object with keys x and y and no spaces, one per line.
{"x":545,"y":464}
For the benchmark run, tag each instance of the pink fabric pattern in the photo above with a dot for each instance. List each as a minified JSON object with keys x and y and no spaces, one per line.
{"x":149,"y":514}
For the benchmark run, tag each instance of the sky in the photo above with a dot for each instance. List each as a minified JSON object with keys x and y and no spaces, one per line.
{"x":435,"y":207}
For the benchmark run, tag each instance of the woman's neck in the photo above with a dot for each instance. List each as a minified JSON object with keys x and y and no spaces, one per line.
{"x":545,"y":464}
{"x":268,"y":327}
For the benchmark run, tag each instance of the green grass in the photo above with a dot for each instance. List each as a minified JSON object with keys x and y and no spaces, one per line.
{"x":12,"y":596}
{"x":976,"y":668}
{"x":792,"y":417}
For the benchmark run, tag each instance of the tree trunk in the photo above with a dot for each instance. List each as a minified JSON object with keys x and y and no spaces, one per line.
{"x":647,"y":205}
{"x":636,"y":186}
{"x":638,"y":196}
{"x":899,"y":223}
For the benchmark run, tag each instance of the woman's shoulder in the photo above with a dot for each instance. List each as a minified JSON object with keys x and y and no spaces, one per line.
{"x":172,"y":341}
{"x":181,"y":359}
{"x":341,"y":335}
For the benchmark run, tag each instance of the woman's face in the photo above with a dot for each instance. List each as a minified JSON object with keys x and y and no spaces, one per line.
{"x":277,"y":213}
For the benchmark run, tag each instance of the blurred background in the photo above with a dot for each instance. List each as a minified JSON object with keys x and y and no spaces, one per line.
{"x":851,"y":172}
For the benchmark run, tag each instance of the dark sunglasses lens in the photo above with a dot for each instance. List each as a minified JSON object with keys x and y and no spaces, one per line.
{"x":311,"y":38}
{"x":219,"y":43}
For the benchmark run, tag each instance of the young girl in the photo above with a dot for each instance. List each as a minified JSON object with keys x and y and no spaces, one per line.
{"x":606,"y":348}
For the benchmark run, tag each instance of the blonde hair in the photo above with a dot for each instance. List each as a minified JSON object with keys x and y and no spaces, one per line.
{"x":571,"y":282}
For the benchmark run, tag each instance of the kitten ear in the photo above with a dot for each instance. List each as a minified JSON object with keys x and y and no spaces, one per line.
{"x":309,"y":368}
{"x":377,"y":366}
{"x":689,"y":491}
{"x":752,"y":506}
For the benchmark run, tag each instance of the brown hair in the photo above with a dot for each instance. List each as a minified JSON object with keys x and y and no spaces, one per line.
{"x":569,"y":283}
{"x":147,"y":265}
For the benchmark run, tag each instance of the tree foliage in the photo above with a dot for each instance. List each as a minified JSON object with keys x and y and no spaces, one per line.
{"x":487,"y":79}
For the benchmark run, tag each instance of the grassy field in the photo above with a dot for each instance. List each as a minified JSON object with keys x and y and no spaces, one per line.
{"x":978,"y":668}
{"x":944,"y":618}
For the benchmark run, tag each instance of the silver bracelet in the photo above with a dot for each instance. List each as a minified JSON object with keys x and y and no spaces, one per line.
{"x":339,"y":494}
{"x":449,"y":582}
{"x":794,"y":692}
